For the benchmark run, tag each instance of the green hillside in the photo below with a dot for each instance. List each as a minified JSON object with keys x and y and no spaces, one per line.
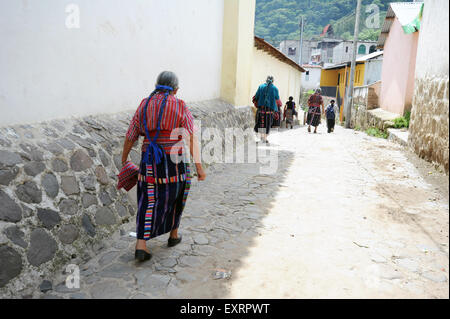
{"x":277,"y":20}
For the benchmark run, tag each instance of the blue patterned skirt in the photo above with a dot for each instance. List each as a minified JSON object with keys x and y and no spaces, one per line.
{"x":162,"y":191}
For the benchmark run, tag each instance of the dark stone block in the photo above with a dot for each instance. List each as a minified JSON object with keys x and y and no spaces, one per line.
{"x":68,"y":206}
{"x":59,"y":165}
{"x":80,"y":141}
{"x":104,"y":158}
{"x":112,"y":192}
{"x":121,"y":210}
{"x":33,"y":153}
{"x":54,"y":148}
{"x":9,"y":159}
{"x":10,"y":264}
{"x":50,"y":184}
{"x":34,"y":168}
{"x":101,"y":175}
{"x":9,"y":210}
{"x":68,"y":234}
{"x":14,"y":234}
{"x":45,"y":286}
{"x":42,"y":247}
{"x":88,"y":200}
{"x":89,"y":182}
{"x":29,"y":192}
{"x":118,"y":161}
{"x":80,"y":161}
{"x":70,"y":185}
{"x":48,"y":217}
{"x":87,"y":225}
{"x":66,"y":143}
{"x":105,"y":198}
{"x":8,"y":174}
{"x":92,"y":153}
{"x":105,"y":216}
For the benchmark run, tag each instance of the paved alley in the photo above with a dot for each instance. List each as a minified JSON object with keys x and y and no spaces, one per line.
{"x":345,"y":216}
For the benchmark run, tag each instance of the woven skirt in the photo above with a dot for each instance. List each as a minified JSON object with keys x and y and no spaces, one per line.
{"x":289,"y":116}
{"x":313,"y":118}
{"x":162,"y":192}
{"x":264,"y":120}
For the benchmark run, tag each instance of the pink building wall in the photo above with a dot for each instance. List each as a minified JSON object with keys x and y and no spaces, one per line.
{"x":397,"y":75}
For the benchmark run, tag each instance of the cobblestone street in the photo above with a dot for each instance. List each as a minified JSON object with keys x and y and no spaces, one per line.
{"x":345,"y":216}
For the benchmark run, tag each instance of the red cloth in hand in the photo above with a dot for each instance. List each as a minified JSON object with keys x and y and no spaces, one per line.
{"x":128,"y":176}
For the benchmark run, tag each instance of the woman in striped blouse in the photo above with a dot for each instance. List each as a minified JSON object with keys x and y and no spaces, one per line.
{"x":164,"y":174}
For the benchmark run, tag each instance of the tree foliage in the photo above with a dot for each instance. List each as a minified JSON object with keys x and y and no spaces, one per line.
{"x":278,"y":20}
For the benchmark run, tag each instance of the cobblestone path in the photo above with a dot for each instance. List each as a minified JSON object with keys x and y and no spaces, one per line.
{"x":345,"y":216}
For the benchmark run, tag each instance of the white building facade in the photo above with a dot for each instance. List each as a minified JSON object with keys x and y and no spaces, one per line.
{"x":60,"y":60}
{"x":311,"y":78}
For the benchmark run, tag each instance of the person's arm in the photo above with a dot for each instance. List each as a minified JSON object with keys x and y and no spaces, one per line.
{"x":127,"y":146}
{"x":132,"y":135}
{"x":191,"y":139}
{"x":195,"y":153}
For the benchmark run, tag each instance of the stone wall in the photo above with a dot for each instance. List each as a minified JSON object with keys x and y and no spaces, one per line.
{"x":365,"y":110}
{"x":429,"y":125}
{"x":58,"y":189}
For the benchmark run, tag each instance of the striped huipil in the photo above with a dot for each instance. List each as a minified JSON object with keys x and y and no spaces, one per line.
{"x":162,"y":189}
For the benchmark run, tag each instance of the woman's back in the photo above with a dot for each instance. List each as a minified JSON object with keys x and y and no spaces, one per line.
{"x":176,"y":116}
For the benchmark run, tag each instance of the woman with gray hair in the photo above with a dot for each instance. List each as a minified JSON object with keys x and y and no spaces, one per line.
{"x":164,"y":175}
{"x":316,"y":109}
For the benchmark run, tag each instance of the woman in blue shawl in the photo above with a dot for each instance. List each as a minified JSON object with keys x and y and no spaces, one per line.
{"x":267,"y":101}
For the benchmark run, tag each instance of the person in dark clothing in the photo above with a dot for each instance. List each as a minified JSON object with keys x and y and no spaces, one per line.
{"x":289,"y":112}
{"x":331,"y":116}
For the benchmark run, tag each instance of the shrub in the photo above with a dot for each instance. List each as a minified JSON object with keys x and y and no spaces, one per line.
{"x":400,"y":122}
{"x":407,"y":116}
{"x":375,"y":131}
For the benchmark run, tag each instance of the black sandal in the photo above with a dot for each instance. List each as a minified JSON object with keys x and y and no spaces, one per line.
{"x":174,"y":241}
{"x":142,"y":255}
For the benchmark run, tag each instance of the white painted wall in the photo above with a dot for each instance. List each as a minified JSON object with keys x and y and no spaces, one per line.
{"x":432,"y":51}
{"x":286,"y":78}
{"x":340,"y":55}
{"x":111,"y":62}
{"x":312,"y":81}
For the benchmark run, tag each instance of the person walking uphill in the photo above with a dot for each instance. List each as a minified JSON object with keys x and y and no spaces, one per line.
{"x":316,"y":108}
{"x":267,"y":101}
{"x":163,"y":178}
{"x":331,"y":116}
{"x":289,"y":112}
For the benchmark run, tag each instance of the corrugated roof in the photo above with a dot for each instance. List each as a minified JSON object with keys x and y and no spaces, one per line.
{"x":267,"y":47}
{"x":405,"y":12}
{"x":369,"y":56}
{"x":340,"y":65}
{"x":310,"y":66}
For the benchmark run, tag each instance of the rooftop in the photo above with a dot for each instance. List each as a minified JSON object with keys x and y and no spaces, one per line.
{"x":260,"y":44}
{"x":369,"y":56}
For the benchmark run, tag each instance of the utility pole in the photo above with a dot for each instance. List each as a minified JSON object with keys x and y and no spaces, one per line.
{"x":349,"y":100}
{"x":301,"y":41}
